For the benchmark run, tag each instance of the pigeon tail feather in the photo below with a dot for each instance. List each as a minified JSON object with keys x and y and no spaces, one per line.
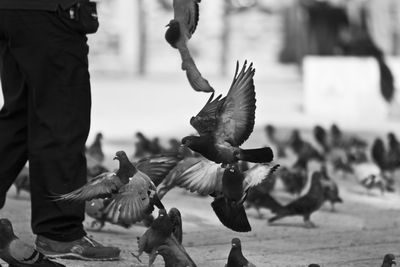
{"x":231,"y":215}
{"x":258,"y":155}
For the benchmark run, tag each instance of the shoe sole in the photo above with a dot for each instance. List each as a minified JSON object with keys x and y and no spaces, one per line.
{"x":74,"y":256}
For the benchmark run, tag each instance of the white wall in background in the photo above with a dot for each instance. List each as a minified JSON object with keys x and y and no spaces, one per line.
{"x":343,"y":89}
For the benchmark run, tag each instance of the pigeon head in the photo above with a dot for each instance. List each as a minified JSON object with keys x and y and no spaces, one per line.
{"x":174,"y":214}
{"x":187,"y":141}
{"x":389,"y":260}
{"x":313,"y":265}
{"x":194,"y":142}
{"x":335,"y":131}
{"x":99,"y":136}
{"x":270,"y":130}
{"x":236,"y":243}
{"x":316,"y":178}
{"x":392,"y":139}
{"x":139,"y":135}
{"x":120,"y":155}
{"x":173,"y":33}
{"x":296,"y":140}
{"x":162,"y":213}
{"x":6,"y":232}
{"x":162,"y":223}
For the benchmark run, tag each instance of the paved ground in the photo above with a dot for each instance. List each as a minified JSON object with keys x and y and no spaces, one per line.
{"x":362,"y":230}
{"x":359,"y":233}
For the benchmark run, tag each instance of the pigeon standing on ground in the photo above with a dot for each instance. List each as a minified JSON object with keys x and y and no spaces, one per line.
{"x":142,"y":145}
{"x":176,"y":219}
{"x":321,"y":137}
{"x":331,"y":189}
{"x":387,"y":160}
{"x":95,"y":150}
{"x":304,"y":149}
{"x":388,"y":260}
{"x":155,"y":236}
{"x":161,"y":239}
{"x":280,"y":145}
{"x":180,"y":30}
{"x":173,"y":256}
{"x":225,"y":123}
{"x":295,"y":178}
{"x":236,"y":258}
{"x":257,"y":196}
{"x":305,"y":205}
{"x":17,"y":253}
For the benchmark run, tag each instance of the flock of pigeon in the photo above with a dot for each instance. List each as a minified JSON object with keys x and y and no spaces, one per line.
{"x":213,"y":164}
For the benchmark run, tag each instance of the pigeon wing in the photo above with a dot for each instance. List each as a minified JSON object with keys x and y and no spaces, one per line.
{"x":101,"y":186}
{"x":198,"y":175}
{"x":257,"y":174}
{"x":131,"y":202}
{"x":205,"y":122}
{"x":158,"y":167}
{"x":187,"y":13}
{"x":237,"y":114}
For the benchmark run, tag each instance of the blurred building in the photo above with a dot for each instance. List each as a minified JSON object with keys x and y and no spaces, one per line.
{"x":131,"y":36}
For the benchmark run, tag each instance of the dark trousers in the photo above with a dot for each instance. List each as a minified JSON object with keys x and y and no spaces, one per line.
{"x":46,"y":115}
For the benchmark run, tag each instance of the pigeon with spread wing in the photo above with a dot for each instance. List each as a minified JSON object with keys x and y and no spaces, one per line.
{"x":229,"y":186}
{"x":180,"y":30}
{"x":130,"y":192}
{"x":226,"y":123}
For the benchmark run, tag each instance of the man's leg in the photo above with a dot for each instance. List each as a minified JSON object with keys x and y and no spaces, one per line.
{"x":52,"y":54}
{"x":13,"y":121}
{"x":53,"y":58}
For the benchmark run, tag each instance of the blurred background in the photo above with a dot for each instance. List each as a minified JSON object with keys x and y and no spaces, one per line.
{"x":315,"y":61}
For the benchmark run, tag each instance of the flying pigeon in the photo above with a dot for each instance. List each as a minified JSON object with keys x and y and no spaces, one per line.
{"x":225,"y":123}
{"x":228,"y":186}
{"x":180,"y":30}
{"x":17,"y":253}
{"x":131,"y":190}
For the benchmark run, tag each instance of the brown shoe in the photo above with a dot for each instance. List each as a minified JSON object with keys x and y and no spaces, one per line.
{"x":82,"y":249}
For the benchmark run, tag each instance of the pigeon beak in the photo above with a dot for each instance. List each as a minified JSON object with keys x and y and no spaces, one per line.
{"x":115,"y":158}
{"x":169,"y":24}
